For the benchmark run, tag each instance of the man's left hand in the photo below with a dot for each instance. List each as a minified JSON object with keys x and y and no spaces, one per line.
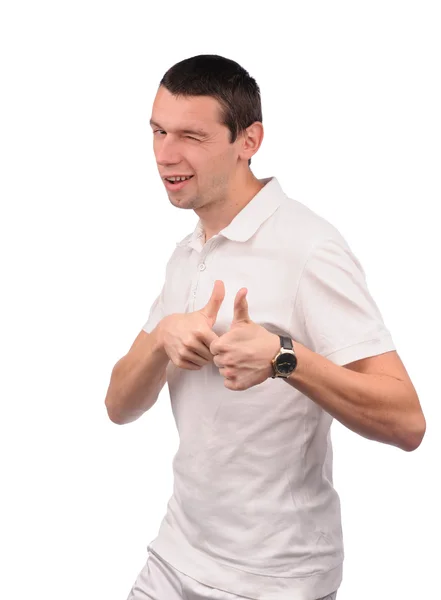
{"x":244,"y":353}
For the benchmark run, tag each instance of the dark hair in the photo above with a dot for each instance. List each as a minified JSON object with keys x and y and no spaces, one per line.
{"x":223,"y":79}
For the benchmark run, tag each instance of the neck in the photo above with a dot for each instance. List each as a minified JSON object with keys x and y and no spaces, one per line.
{"x":216,"y":216}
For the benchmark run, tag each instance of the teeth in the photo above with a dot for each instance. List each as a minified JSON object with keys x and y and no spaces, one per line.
{"x":178,"y":178}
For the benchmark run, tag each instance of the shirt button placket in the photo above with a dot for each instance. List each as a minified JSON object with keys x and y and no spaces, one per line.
{"x":201,"y":267}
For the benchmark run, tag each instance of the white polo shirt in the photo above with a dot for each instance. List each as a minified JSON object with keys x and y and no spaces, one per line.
{"x":253,"y":510}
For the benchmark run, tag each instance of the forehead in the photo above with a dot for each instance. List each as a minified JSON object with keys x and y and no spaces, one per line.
{"x":191,"y":112}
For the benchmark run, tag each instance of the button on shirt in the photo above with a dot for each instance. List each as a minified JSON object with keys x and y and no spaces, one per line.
{"x":253,"y":510}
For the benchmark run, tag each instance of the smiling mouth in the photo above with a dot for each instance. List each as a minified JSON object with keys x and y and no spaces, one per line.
{"x":178,"y":181}
{"x":176,"y":185}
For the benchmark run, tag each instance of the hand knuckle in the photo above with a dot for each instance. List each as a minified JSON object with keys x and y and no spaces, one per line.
{"x":188,"y":339}
{"x":200,"y":330}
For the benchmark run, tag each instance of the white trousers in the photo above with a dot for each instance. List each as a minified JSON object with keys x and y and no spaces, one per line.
{"x":158,"y":580}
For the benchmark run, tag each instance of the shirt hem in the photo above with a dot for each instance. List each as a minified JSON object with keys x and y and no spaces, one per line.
{"x":197,"y":565}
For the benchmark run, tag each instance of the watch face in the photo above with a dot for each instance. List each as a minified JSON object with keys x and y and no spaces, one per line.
{"x":286,"y":363}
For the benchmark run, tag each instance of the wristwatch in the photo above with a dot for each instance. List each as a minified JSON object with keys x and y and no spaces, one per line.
{"x":285,"y":360}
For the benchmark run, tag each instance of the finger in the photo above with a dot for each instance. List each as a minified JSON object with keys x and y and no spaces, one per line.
{"x":227,"y":374}
{"x":218,"y":362}
{"x":208,"y":338}
{"x":231,"y":384}
{"x":193,"y":357}
{"x":185,"y":364}
{"x":213,"y":305}
{"x":241,"y":306}
{"x":202,"y":350}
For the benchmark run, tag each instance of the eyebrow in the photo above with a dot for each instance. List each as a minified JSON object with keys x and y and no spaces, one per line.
{"x":196,"y":131}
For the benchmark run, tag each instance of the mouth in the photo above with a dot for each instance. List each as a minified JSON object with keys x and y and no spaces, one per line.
{"x":176,"y":185}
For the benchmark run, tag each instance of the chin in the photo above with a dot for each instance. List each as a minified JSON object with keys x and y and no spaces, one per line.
{"x":184,"y":203}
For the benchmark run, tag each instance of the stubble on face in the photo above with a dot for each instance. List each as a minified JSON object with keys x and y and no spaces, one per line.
{"x":214,"y":193}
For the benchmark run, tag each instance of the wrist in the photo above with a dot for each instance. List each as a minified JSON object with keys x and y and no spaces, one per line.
{"x":158,"y":339}
{"x":273,"y":349}
{"x":303,"y":357}
{"x":285,"y":359}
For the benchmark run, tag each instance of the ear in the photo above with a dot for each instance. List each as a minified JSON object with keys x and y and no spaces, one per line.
{"x":251,"y":140}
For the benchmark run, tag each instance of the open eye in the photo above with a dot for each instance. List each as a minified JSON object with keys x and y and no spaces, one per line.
{"x":158,"y":131}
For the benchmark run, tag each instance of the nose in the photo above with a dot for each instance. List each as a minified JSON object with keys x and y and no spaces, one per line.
{"x":167,"y":152}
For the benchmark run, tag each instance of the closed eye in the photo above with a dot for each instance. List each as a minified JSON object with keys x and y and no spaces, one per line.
{"x":187,"y":136}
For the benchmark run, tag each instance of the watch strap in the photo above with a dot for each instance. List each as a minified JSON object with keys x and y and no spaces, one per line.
{"x":286,"y":342}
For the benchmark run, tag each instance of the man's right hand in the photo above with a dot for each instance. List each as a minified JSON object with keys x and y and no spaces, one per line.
{"x":186,"y":337}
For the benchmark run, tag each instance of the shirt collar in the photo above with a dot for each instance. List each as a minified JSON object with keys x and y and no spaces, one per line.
{"x":249,"y":219}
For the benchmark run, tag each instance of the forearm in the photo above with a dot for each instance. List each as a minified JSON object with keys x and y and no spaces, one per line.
{"x":137,"y":379}
{"x":378,"y":407}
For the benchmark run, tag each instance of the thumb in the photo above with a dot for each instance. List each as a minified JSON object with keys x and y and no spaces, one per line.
{"x":212,"y":307}
{"x":241,"y":307}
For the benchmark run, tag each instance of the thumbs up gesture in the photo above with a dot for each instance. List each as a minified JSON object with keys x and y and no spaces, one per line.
{"x":186,"y":337}
{"x":210,"y":310}
{"x":243,"y":354}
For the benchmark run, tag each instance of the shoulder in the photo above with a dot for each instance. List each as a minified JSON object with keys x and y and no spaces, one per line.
{"x":300,"y":229}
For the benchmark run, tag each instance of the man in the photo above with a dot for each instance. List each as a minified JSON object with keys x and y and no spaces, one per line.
{"x":264,"y":331}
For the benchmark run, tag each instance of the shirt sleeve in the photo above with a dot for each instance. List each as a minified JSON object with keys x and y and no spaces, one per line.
{"x":158,"y":309}
{"x":156,"y":312}
{"x":334,"y":312}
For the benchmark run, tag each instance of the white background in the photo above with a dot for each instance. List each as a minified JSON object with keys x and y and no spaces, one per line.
{"x":351,"y":109}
